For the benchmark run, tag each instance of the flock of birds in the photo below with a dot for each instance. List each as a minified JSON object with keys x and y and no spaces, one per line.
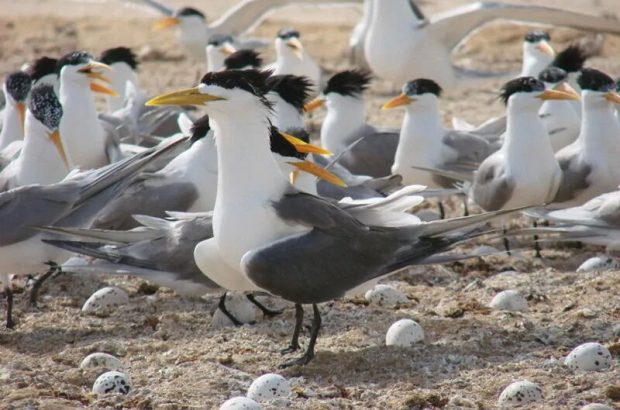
{"x":241,"y":200}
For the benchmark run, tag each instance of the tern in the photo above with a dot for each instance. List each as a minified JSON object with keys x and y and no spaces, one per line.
{"x":243,"y":59}
{"x":537,"y":53}
{"x":288,"y":94}
{"x":72,"y":202}
{"x":42,"y":159}
{"x":43,"y":71}
{"x":589,"y":165}
{"x":401,"y":43}
{"x":364,"y":149}
{"x":218,"y":48}
{"x":123,"y":63}
{"x":16,"y":88}
{"x":292,"y":58}
{"x":270,"y":237}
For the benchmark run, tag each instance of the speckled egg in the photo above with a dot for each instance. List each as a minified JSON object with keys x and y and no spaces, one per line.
{"x":596,"y":406}
{"x":237,"y":305}
{"x":510,"y":300}
{"x":520,"y":393}
{"x":589,"y":357}
{"x":100,"y":359}
{"x":112,"y":382}
{"x":598,"y":264}
{"x":240,"y":403}
{"x":385,"y":295}
{"x":104,"y":298}
{"x":404,"y":333}
{"x":269,"y":386}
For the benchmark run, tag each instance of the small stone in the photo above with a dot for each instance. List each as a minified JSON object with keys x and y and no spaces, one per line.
{"x":112,"y":382}
{"x":520,"y":393}
{"x":105,"y":298}
{"x":240,"y":403}
{"x":269,"y":386}
{"x":589,"y":357}
{"x":598,"y":264}
{"x":404,"y":333}
{"x":386,"y":295}
{"x":100,"y":359}
{"x":596,"y":406}
{"x":613,"y":392}
{"x":510,"y":300}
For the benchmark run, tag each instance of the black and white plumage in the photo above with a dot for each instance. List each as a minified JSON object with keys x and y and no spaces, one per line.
{"x":124,"y":64}
{"x":243,"y":59}
{"x":16,"y":88}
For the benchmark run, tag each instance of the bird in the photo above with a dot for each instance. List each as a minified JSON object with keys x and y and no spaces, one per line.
{"x":218,"y":48}
{"x":43,"y":71}
{"x":288,"y":94}
{"x":401,"y":43}
{"x":589,"y":164}
{"x":269,"y":236}
{"x":537,"y":53}
{"x":123,"y":64}
{"x":42,"y":159}
{"x":425,"y":142}
{"x":364,"y":149}
{"x":293,"y":58}
{"x":72,"y":202}
{"x":16,"y":88}
{"x":243,"y":59}
{"x":82,"y":134}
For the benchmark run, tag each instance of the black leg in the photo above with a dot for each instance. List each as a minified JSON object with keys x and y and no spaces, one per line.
{"x":506,"y":242}
{"x":465,"y":207}
{"x":536,"y":244}
{"x":266,"y":311}
{"x":309,"y":355}
{"x":222,"y":307}
{"x":9,"y":307}
{"x":442,"y":211}
{"x":34,"y":292}
{"x":299,"y":319}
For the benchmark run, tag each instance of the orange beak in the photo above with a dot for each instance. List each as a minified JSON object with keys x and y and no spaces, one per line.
{"x":55,"y":138}
{"x":227,"y":49}
{"x":314,"y":104}
{"x":102,"y":89}
{"x":317,"y":171}
{"x":545,"y":48}
{"x":166,"y":23}
{"x":402,"y":99}
{"x":21,"y":110}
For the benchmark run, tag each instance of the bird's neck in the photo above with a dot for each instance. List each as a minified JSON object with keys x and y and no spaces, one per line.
{"x":526,"y":136}
{"x":122,"y":74}
{"x":215,"y":60}
{"x":533,"y":65}
{"x":285,"y":116}
{"x":600,"y":130}
{"x":11,"y":128}
{"x":423,"y":123}
{"x":342,"y":120}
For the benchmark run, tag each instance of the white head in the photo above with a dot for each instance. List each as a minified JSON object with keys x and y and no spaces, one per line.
{"x":187,"y":19}
{"x":79,"y":69}
{"x":421,"y":94}
{"x":288,"y":45}
{"x":218,"y":48}
{"x":598,"y":90}
{"x":536,"y":47}
{"x":528,"y":93}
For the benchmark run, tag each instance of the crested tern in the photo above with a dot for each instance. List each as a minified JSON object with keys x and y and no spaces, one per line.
{"x":293,"y":58}
{"x":243,"y":59}
{"x":537,"y":53}
{"x":219,"y":46}
{"x":123,"y":64}
{"x":16,"y":88}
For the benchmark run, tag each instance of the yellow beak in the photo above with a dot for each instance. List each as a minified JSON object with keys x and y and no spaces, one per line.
{"x":566,"y":87}
{"x":402,"y":99}
{"x":92,"y":70}
{"x":613,"y":97}
{"x":190,"y":96}
{"x":545,"y":48}
{"x":55,"y":138}
{"x":227,"y":49}
{"x":314,"y":104}
{"x":166,"y":22}
{"x":317,"y":171}
{"x":558,"y":95}
{"x":304,"y":147}
{"x":102,"y":89}
{"x":21,"y":110}
{"x":297,"y":47}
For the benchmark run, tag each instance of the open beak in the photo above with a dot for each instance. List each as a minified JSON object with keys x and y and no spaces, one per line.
{"x":545,"y":48}
{"x":21,"y":110}
{"x":566,"y":87}
{"x":190,"y":96}
{"x":402,"y":99}
{"x":314,"y":104}
{"x":613,"y":97}
{"x":304,"y":147}
{"x":297,"y":47}
{"x":558,"y":95}
{"x":317,"y":171}
{"x":166,"y":22}
{"x":227,"y":49}
{"x":92,"y":70}
{"x":102,"y":89}
{"x":55,"y":138}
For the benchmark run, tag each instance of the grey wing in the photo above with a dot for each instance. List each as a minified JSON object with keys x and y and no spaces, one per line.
{"x":574,"y":176}
{"x":373,"y":155}
{"x":155,"y":5}
{"x":151,"y":196}
{"x":492,"y":188}
{"x":454,"y":25}
{"x":471,"y":149}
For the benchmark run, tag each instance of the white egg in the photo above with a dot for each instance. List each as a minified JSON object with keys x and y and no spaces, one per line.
{"x":240,"y":403}
{"x":404,"y":333}
{"x":598,"y":264}
{"x":269,"y":386}
{"x":239,"y":306}
{"x":105,"y":298}
{"x":386,"y":295}
{"x":520,"y":393}
{"x":596,"y":406}
{"x":100,"y":359}
{"x":510,"y":300}
{"x":589,"y":357}
{"x":112,"y":382}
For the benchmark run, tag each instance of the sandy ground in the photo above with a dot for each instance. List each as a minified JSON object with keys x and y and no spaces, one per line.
{"x":177,"y":359}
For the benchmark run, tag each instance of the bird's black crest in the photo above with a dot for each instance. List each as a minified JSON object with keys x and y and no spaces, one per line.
{"x":552,"y":75}
{"x":618,"y":85}
{"x":119,"y":55}
{"x":73,"y":58}
{"x":422,"y":86}
{"x":243,"y":59}
{"x":521,"y":84}
{"x":18,"y":85}
{"x":286,"y":33}
{"x":189,"y":11}
{"x":281,"y":146}
{"x":42,"y":67}
{"x":571,"y":59}
{"x":200,"y":128}
{"x":45,"y":107}
{"x":252,"y":81}
{"x":349,"y":82}
{"x":293,"y":89}
{"x":595,"y":80}
{"x":219,"y":39}
{"x":536,"y":36}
